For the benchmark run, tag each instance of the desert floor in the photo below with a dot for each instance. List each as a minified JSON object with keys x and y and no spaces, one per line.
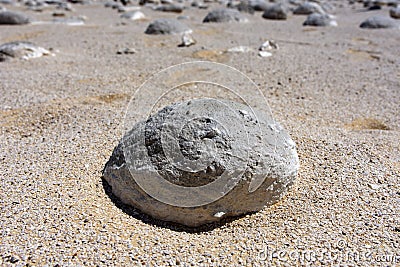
{"x":335,"y":89}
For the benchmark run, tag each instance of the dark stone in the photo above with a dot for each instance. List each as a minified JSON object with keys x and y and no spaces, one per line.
{"x":13,"y":18}
{"x":395,"y":12}
{"x":277,"y":12}
{"x":224,"y":15}
{"x":317,"y":19}
{"x":308,"y":8}
{"x":379,"y":22}
{"x":167,"y":26}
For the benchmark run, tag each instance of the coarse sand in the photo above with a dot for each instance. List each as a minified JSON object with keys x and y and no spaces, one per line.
{"x":335,"y":89}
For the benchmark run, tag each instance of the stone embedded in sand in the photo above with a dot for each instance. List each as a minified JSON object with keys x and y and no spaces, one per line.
{"x":266,"y":47}
{"x":240,"y":49}
{"x":167,"y":26}
{"x":308,"y":8}
{"x":133,"y":15}
{"x":258,"y":5}
{"x":250,"y":153}
{"x":379,"y":22}
{"x":123,"y":9}
{"x":199,"y":4}
{"x":145,"y":2}
{"x":224,"y":15}
{"x":277,"y":12}
{"x":317,"y":19}
{"x":395,"y":12}
{"x":113,"y":5}
{"x":170,"y":8}
{"x":22,"y":50}
{"x":73,"y":21}
{"x":126,"y":51}
{"x":187,"y":40}
{"x":13,"y":18}
{"x":243,"y":6}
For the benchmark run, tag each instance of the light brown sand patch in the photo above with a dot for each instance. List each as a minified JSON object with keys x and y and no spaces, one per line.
{"x":25,"y":121}
{"x":310,"y":29}
{"x":111,"y":97}
{"x":363,"y":41}
{"x":23,"y":36}
{"x":357,"y":54}
{"x":366,"y":124}
{"x":209,"y":31}
{"x":212,"y":55}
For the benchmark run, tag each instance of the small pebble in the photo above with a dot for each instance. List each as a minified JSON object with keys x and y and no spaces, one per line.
{"x":187,"y":40}
{"x":126,"y":51}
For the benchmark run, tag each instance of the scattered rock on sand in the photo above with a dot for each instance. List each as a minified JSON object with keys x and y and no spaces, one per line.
{"x":308,"y":8}
{"x":395,"y":12}
{"x":145,"y":2}
{"x":133,"y":15}
{"x":379,"y":22}
{"x":277,"y":12}
{"x":13,"y":18}
{"x":123,"y":9}
{"x":240,"y":49}
{"x":183,"y":17}
{"x":224,"y":15}
{"x":113,"y":5}
{"x":126,"y":51}
{"x":65,"y":6}
{"x":187,"y":40}
{"x":263,"y":176}
{"x":170,"y":8}
{"x":74,"y":21}
{"x":199,"y":5}
{"x":264,"y":54}
{"x":266,"y":47}
{"x":258,"y":5}
{"x":243,"y":6}
{"x":21,"y":50}
{"x":317,"y":19}
{"x":167,"y":26}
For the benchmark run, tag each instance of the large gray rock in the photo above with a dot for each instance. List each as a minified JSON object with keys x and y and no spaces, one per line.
{"x":167,"y":26}
{"x":277,"y":12}
{"x":379,"y":22}
{"x":187,"y":167}
{"x":395,"y":12}
{"x":224,"y":15}
{"x":317,"y":19}
{"x":13,"y":18}
{"x":308,"y":8}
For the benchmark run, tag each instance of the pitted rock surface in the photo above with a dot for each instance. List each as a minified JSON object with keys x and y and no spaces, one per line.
{"x":271,"y":154}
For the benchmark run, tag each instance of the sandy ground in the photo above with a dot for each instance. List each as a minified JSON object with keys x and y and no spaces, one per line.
{"x":336,"y":90}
